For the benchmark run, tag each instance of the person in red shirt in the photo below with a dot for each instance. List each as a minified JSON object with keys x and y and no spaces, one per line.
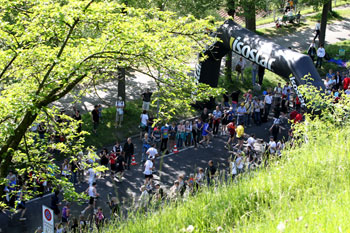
{"x":297,"y":103}
{"x":346,"y":83}
{"x":293,"y":115}
{"x":298,"y":118}
{"x":231,"y":128}
{"x":112,"y":159}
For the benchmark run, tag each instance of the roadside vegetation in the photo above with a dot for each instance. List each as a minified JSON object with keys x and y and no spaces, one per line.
{"x":305,"y":191}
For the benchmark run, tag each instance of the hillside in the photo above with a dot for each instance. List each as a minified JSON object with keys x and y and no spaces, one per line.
{"x":306,"y":191}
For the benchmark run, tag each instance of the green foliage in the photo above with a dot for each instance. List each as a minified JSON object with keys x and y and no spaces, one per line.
{"x":333,"y":51}
{"x":305,"y":191}
{"x":48,"y":48}
{"x":107,"y":134}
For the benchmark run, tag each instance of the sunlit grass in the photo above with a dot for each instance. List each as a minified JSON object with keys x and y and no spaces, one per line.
{"x":306,"y":191}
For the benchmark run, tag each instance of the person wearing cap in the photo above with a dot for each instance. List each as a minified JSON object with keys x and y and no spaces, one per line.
{"x":119,"y":104}
{"x":239,"y":136}
{"x":241,"y":111}
{"x":158,"y":193}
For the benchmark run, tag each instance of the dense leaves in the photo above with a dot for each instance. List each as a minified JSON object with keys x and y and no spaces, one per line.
{"x":47,"y":48}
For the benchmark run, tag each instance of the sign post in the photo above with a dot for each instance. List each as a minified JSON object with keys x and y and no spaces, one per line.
{"x":48,"y":220}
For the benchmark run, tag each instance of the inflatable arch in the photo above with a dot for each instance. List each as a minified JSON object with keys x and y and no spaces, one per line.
{"x":282,"y":61}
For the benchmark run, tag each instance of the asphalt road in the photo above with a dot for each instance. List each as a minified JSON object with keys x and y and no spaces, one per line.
{"x":173,"y":165}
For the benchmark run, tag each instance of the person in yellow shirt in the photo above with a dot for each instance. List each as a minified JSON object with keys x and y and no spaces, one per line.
{"x":239,"y":136}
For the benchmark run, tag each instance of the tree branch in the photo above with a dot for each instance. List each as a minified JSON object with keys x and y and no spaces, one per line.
{"x":8,"y":65}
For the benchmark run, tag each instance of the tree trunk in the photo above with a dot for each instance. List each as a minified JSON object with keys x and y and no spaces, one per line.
{"x":250,"y":20}
{"x":330,"y":6}
{"x":228,"y":66}
{"x":121,"y":83}
{"x":324,"y":23}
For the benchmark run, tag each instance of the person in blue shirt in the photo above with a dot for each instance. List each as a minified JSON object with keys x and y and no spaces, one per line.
{"x":217,"y":118}
{"x":164,"y":135}
{"x":205,"y":134}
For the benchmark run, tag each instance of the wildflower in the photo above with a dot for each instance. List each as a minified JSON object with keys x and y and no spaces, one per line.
{"x":219,"y":228}
{"x":281,"y":227}
{"x":190,"y":228}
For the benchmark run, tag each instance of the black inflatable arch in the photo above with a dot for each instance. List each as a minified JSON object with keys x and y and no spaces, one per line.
{"x":282,"y":61}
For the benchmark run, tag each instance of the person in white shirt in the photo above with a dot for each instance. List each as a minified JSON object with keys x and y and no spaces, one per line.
{"x":144,"y":122}
{"x":251,"y":140}
{"x":272,"y":146}
{"x":144,"y":198}
{"x":240,"y":66}
{"x":317,"y":29}
{"x":92,"y":193}
{"x":239,"y":163}
{"x":152,"y":152}
{"x":119,"y":104}
{"x":347,"y":91}
{"x":267,"y":103}
{"x":321,"y":53}
{"x":278,"y":93}
{"x":148,"y":170}
{"x":92,"y":176}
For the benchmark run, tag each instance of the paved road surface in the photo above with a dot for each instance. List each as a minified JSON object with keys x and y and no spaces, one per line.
{"x":184,"y":162}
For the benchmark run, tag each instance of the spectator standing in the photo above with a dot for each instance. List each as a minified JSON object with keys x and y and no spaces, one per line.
{"x":231,"y":128}
{"x":55,"y":202}
{"x":276,"y":129}
{"x":172,"y":136}
{"x":128,"y":150}
{"x":257,"y":118}
{"x":261,"y":73}
{"x":77,"y":117}
{"x":200,"y":125}
{"x":157,"y":136}
{"x":199,"y":178}
{"x":278,"y":93}
{"x":241,"y":111}
{"x":225,"y":99}
{"x":99,"y":218}
{"x":317,"y":29}
{"x":144,"y":122}
{"x":95,"y":118}
{"x":164,"y":136}
{"x":65,"y":214}
{"x":188,"y":133}
{"x":267,"y":104}
{"x":312,"y":51}
{"x":254,"y":72}
{"x":338,"y":80}
{"x":205,"y":115}
{"x":235,"y":97}
{"x":240,"y":163}
{"x":240,"y":66}
{"x":249,"y":106}
{"x":180,"y":134}
{"x":146,"y":97}
{"x":321,"y":53}
{"x":119,"y":104}
{"x":194,"y":133}
{"x":210,"y":173}
{"x":217,"y":118}
{"x":144,"y":198}
{"x":346,"y":83}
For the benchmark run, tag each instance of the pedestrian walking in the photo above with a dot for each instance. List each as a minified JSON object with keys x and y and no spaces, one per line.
{"x":95,"y":118}
{"x":317,"y":29}
{"x":312,"y":51}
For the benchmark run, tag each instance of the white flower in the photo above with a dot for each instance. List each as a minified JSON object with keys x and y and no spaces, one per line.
{"x":219,"y":228}
{"x":281,"y":227}
{"x":190,"y":228}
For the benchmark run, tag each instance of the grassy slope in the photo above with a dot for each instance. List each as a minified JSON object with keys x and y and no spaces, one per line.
{"x":308,"y":191}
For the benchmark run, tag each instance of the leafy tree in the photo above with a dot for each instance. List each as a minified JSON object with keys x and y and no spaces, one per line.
{"x":48,"y":48}
{"x":326,"y":6}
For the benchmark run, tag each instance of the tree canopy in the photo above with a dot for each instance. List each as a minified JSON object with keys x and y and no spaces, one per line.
{"x":48,"y":48}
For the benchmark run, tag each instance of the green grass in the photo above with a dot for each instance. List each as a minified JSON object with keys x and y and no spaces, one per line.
{"x":107,"y":134}
{"x":270,"y":81}
{"x":333,"y":51}
{"x":305,"y":11}
{"x":307,"y":191}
